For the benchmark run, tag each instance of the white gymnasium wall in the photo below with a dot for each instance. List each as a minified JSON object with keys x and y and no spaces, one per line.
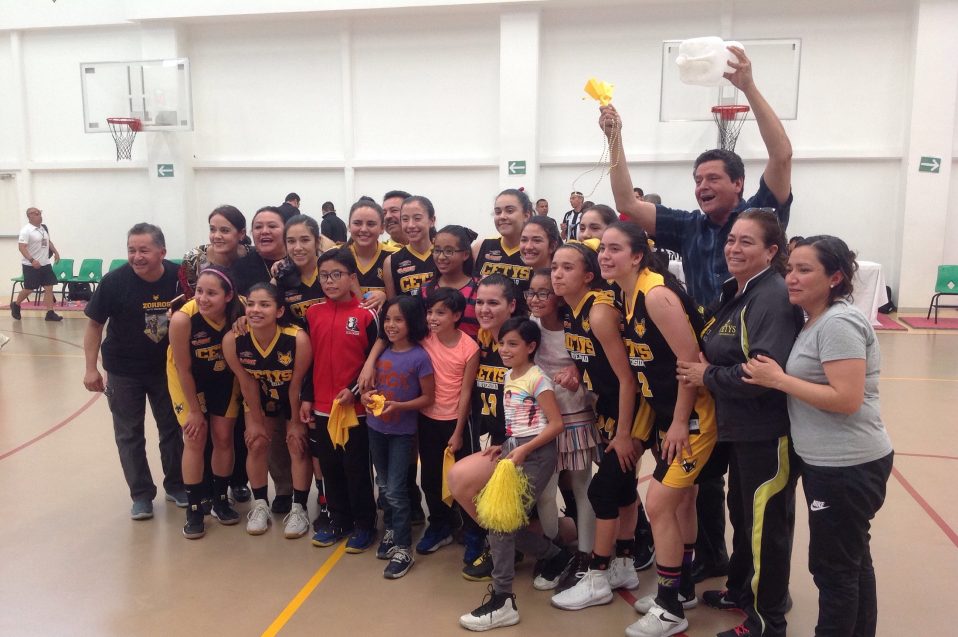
{"x":267,"y":90}
{"x":336,"y":104}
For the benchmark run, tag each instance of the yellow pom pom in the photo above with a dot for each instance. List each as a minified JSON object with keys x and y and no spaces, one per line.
{"x":376,"y":404}
{"x":503,"y":504}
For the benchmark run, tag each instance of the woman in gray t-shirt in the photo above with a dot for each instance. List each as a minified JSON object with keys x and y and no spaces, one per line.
{"x":831,"y":379}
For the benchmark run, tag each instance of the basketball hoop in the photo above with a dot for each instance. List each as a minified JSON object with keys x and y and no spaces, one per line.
{"x":729,"y":119}
{"x":124,"y":130}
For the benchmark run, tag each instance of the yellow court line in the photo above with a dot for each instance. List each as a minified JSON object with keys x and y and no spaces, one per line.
{"x":305,"y":592}
{"x":939,"y":380}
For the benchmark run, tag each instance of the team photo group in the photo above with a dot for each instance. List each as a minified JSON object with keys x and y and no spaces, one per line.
{"x":397,"y":364}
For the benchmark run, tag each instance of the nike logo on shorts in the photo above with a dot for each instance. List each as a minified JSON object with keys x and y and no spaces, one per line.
{"x":818,"y":505}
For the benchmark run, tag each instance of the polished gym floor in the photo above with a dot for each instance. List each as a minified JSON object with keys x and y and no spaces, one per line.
{"x":73,"y":563}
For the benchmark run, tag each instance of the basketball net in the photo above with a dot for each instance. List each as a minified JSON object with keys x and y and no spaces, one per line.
{"x":729,"y":119}
{"x":124,"y":130}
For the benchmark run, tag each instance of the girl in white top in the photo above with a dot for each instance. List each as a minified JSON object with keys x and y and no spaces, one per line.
{"x":578,"y":443}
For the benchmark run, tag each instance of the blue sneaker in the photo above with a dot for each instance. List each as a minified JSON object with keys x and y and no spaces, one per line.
{"x":360,"y":540}
{"x":475,"y":544}
{"x":327,"y":536}
{"x":434,"y":539}
{"x":141,"y":510}
{"x":178,"y":497}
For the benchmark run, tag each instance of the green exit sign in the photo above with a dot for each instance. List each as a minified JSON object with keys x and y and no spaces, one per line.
{"x":929,"y":164}
{"x":164,"y":170}
{"x":517,"y":167}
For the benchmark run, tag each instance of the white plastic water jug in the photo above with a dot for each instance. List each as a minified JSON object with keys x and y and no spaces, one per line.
{"x":704,"y":61}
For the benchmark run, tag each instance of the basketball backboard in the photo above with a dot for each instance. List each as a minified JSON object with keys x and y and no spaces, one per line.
{"x":157,"y":92}
{"x":775,"y":66}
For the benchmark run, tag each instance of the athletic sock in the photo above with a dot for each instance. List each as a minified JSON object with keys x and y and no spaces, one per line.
{"x":301,"y":497}
{"x":194,"y":495}
{"x":686,"y":585}
{"x":261,"y":493}
{"x":220,"y":485}
{"x":668,"y":591}
{"x":624,"y":548}
{"x":599,"y":562}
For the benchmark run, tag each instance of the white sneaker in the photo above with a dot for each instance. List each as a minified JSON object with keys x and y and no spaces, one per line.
{"x":296,"y":521}
{"x":658,"y":622}
{"x":257,"y":520}
{"x":622,"y":573}
{"x":645,"y":604}
{"x":592,"y":589}
{"x":499,"y":611}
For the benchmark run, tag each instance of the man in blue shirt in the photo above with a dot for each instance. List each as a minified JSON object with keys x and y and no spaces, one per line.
{"x":699,"y":237}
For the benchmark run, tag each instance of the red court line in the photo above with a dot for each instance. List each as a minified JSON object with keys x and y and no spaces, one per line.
{"x":59,"y":425}
{"x":944,"y":526}
{"x":925,"y":455}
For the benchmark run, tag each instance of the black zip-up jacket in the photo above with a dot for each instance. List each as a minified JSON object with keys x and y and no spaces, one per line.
{"x":758,"y":321}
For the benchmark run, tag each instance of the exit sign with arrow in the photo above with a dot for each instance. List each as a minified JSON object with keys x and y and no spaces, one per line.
{"x":929,"y":164}
{"x":164,"y":170}
{"x":517,"y":167}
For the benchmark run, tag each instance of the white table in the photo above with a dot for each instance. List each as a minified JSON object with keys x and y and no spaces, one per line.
{"x":869,"y":294}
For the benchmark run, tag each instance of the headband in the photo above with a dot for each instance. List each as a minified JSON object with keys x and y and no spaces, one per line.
{"x":229,"y":284}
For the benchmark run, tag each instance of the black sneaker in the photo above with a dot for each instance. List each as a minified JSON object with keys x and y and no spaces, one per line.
{"x":226,"y":514}
{"x":15,"y":311}
{"x":52,"y":316}
{"x":499,"y":611}
{"x":194,"y":528}
{"x":282,"y":504}
{"x":644,"y":556}
{"x":400,"y":561}
{"x":580,"y":564}
{"x":552,"y":570}
{"x":739,"y":631}
{"x":241,"y":492}
{"x":322,"y":518}
{"x":481,"y":568}
{"x":720,"y":600}
{"x":207,"y":505}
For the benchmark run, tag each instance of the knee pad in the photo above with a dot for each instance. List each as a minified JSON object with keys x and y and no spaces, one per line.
{"x":603,"y":499}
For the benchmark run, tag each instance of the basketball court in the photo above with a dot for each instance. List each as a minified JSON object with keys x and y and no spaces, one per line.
{"x":119,"y":112}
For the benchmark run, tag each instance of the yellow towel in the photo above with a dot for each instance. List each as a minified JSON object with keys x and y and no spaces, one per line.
{"x":448,"y":459}
{"x":340,"y":420}
{"x":503,"y":504}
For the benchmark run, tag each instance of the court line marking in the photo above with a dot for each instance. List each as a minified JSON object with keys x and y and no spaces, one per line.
{"x":305,"y":592}
{"x":59,"y":425}
{"x":925,"y":455}
{"x":937,"y":519}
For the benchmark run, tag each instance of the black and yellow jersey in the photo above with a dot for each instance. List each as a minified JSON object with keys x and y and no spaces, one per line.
{"x":371,"y":278}
{"x":495,"y":258}
{"x":297,"y":299}
{"x":215,"y":384}
{"x":271,"y":365}
{"x":590,"y":358}
{"x":487,"y":397}
{"x":653,"y":361}
{"x":411,"y":270}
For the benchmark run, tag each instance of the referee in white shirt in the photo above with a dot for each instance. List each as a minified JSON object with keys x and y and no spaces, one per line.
{"x":36,"y":251}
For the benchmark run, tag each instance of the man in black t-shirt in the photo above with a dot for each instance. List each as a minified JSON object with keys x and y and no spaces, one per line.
{"x":132,"y":303}
{"x":290,"y":206}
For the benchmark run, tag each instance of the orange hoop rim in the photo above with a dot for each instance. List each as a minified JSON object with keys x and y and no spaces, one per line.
{"x":729,"y":111}
{"x":134,"y":123}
